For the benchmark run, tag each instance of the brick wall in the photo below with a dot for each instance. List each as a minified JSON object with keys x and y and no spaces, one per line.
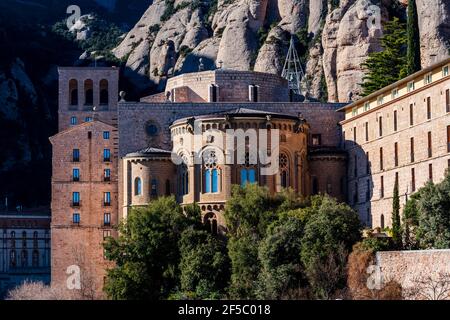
{"x":66,"y":236}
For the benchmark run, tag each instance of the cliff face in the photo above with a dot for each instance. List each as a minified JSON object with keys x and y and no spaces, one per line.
{"x":254,"y":35}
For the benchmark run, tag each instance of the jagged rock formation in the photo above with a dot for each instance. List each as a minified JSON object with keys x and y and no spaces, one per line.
{"x":254,"y":35}
{"x":434,"y":27}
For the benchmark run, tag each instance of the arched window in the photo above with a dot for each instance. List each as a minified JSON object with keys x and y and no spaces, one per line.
{"x":211,"y":174}
{"x":88,"y":92}
{"x":35,"y":260}
{"x":73,"y":92}
{"x":12,"y":258}
{"x":284,"y":170}
{"x":183,"y":180}
{"x":248,"y":172}
{"x":104,"y":93}
{"x":315,"y":186}
{"x":210,"y":221}
{"x":24,"y":258}
{"x":137,"y":186}
{"x":382,"y":221}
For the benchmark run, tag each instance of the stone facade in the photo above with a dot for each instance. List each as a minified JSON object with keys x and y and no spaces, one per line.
{"x":409,"y":267}
{"x":397,"y":133}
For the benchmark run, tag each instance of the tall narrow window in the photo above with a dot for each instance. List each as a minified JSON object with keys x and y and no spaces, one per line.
{"x":107,"y":198}
{"x":430,"y":172}
{"x":106,"y":135}
{"x":24,"y":258}
{"x":107,"y":219}
{"x":76,"y":218}
{"x":76,"y":155}
{"x":428,"y":108}
{"x":355,"y":166}
{"x":137,"y":186}
{"x":412,"y":156}
{"x":213,"y":93}
{"x":381,"y":187}
{"x":430,"y":147}
{"x":381,"y":159}
{"x":284,"y":170}
{"x":448,"y":138}
{"x":104,"y":93}
{"x":183,"y":179}
{"x":367,"y":163}
{"x":73,"y":121}
{"x":354,"y":135}
{"x":380,"y":126}
{"x":253,"y":93}
{"x":447,"y":100}
{"x":75,"y":199}
{"x":214,"y":181}
{"x":396,"y":154}
{"x":207,"y":181}
{"x":106,"y":155}
{"x":243,"y":177}
{"x":395,"y":120}
{"x":73,"y":92}
{"x":76,"y":174}
{"x":413,"y":179}
{"x":35,"y":259}
{"x":367,"y":131}
{"x":107,"y":175}
{"x":12,"y":258}
{"x":411,"y":114}
{"x":88,"y":92}
{"x":382,"y":221}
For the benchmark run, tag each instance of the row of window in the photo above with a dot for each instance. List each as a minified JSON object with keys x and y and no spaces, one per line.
{"x":76,"y":174}
{"x":88,"y":92}
{"x":395,"y":119}
{"x":13,"y":263}
{"x":24,"y":239}
{"x":396,"y":154}
{"x":76,"y":199}
{"x":76,"y":218}
{"x":76,"y":155}
{"x":153,"y":187}
{"x":382,"y":184}
{"x":410,"y":87}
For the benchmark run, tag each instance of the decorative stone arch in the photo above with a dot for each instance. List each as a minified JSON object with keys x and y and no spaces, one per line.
{"x":73,"y":92}
{"x":104,"y":92}
{"x":210,"y":222}
{"x":88,"y":92}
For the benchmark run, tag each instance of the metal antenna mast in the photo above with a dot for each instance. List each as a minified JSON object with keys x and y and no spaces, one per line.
{"x":292,"y":70}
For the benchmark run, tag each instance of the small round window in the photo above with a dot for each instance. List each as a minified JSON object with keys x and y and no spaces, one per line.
{"x":151,"y":129}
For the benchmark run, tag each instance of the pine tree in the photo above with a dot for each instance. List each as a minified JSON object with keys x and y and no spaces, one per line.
{"x":413,"y":55}
{"x":396,"y":227}
{"x":388,"y":66}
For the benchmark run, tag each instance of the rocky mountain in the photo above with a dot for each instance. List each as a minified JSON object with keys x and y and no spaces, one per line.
{"x":173,"y":35}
